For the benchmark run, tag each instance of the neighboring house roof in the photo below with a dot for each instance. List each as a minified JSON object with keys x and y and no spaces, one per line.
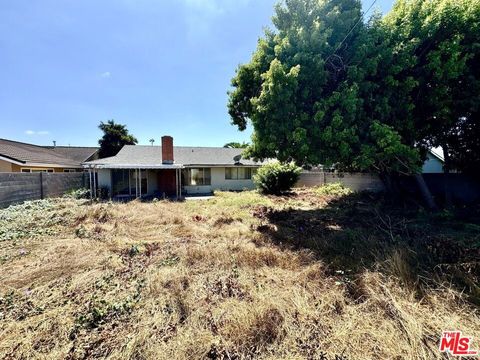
{"x":28,"y":154}
{"x":438,"y":153}
{"x":151,"y":156}
{"x":77,"y":153}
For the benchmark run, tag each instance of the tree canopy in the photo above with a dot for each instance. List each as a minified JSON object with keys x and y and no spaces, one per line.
{"x":115,"y":136}
{"x":327,"y":86}
{"x":444,"y":59}
{"x":236,"y":145}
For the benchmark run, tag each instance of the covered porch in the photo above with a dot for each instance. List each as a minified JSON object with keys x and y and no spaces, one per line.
{"x":128,"y":183}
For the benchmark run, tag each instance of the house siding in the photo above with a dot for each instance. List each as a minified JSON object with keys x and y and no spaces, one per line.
{"x":432,"y":165}
{"x":218,"y":182}
{"x":104,"y":179}
{"x":5,"y":166}
{"x":152,"y":182}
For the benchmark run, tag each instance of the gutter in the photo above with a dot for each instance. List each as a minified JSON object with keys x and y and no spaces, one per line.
{"x":131,"y":166}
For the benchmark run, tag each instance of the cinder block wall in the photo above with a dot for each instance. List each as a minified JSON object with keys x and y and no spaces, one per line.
{"x":19,"y":187}
{"x":357,"y":181}
{"x":354,"y":181}
{"x":58,"y":184}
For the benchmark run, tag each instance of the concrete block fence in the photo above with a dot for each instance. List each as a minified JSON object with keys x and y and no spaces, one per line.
{"x":19,"y":187}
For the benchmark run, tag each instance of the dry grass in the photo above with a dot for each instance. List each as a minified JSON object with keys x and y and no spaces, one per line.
{"x":238,"y":276}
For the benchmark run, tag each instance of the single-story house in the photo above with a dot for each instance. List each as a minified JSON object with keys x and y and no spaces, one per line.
{"x":168,"y":170}
{"x":22,"y":157}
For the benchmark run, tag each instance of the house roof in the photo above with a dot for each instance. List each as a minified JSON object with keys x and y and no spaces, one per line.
{"x":29,"y":154}
{"x":151,"y":156}
{"x":77,"y":153}
{"x":438,"y":153}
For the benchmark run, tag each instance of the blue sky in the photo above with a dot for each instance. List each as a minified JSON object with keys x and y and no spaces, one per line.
{"x":159,"y":66}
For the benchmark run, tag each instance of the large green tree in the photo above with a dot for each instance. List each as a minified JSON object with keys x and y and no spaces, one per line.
{"x":441,"y":41}
{"x":310,"y":91}
{"x":327,"y":86}
{"x":115,"y":136}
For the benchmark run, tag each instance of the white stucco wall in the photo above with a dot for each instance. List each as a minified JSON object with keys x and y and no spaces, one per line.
{"x":219,"y":182}
{"x":432,"y":165}
{"x":104,"y":179}
{"x":152,"y":182}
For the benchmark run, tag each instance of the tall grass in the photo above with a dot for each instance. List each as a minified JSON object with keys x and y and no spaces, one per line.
{"x":217,"y":279}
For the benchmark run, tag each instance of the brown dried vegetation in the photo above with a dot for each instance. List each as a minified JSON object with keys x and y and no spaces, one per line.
{"x":240,"y":276}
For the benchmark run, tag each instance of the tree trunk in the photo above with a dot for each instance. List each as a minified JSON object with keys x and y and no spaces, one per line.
{"x":387,"y":182}
{"x":446,"y":173}
{"x":393,"y":189}
{"x":425,"y":191}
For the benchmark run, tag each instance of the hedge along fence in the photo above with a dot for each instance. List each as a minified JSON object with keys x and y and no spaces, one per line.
{"x":353,"y":181}
{"x":19,"y":187}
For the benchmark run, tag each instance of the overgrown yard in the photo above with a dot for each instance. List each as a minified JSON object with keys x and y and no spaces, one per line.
{"x":306,"y":276}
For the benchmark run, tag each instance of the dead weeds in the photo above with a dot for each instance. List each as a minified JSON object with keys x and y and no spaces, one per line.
{"x":240,"y":276}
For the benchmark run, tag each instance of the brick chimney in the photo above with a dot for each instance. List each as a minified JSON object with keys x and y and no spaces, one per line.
{"x":167,"y":150}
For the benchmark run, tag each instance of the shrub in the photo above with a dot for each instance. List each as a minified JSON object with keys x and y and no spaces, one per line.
{"x":334,"y":189}
{"x":103,"y":193}
{"x":275,"y":177}
{"x":81,"y":193}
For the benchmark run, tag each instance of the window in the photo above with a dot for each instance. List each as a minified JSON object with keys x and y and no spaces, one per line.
{"x":124,"y":182}
{"x":68,"y":170}
{"x":240,"y":173}
{"x":133,"y":181}
{"x":34,"y":170}
{"x":197,"y":176}
{"x":120,"y":182}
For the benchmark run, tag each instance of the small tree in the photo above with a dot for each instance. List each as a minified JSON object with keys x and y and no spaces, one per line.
{"x":275,"y":177}
{"x":115,"y":136}
{"x":236,"y":145}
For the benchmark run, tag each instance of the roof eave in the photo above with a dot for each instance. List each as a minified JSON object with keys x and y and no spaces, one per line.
{"x":12,"y":160}
{"x":131,"y":166}
{"x":222,"y":165}
{"x":50,"y":165}
{"x":438,"y":156}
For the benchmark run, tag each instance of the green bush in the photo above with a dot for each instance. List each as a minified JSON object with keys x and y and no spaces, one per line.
{"x":103,"y":193}
{"x":78,"y":194}
{"x":334,"y":189}
{"x":275,"y":177}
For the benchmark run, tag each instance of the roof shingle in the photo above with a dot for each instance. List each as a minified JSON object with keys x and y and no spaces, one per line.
{"x":144,"y":155}
{"x":28,"y":153}
{"x":77,"y":153}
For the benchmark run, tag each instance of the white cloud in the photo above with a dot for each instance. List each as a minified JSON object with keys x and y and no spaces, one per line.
{"x":106,"y":74}
{"x":41,"y":132}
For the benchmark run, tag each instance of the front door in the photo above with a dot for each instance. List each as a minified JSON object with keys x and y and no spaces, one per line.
{"x":167,"y":182}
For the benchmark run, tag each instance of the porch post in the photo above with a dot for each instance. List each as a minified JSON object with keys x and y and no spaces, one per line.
{"x":130,"y":182}
{"x":90,"y":181}
{"x":176,"y":182}
{"x":180,"y":182}
{"x":140,"y":181}
{"x":94,"y":182}
{"x":136,"y":183}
